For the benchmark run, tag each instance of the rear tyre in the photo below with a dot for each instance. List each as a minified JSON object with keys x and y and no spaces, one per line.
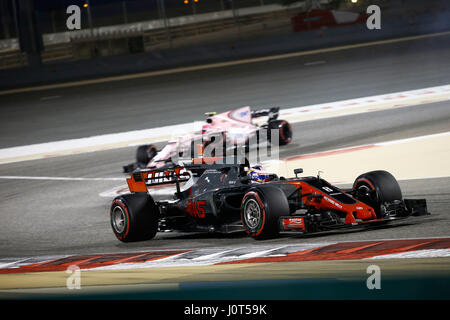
{"x":145,"y":153}
{"x":261,"y":209}
{"x":284,"y":128}
{"x":375,"y":188}
{"x":134,"y":217}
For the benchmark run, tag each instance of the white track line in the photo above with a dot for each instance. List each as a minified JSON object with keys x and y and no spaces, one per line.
{"x":262,"y":253}
{"x":214,"y":256}
{"x":366,"y":104}
{"x":95,"y":143}
{"x":426,"y":253}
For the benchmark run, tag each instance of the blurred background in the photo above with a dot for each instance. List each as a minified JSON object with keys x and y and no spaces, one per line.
{"x":126,"y":36}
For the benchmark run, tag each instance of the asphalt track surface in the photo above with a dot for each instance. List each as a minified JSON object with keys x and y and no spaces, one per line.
{"x":68,"y":217}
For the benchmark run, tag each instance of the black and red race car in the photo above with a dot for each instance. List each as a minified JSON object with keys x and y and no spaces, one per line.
{"x":225,"y":198}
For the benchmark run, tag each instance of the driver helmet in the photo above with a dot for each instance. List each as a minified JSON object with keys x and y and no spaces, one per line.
{"x":206,"y":128}
{"x":208,"y":125}
{"x":258,"y":174}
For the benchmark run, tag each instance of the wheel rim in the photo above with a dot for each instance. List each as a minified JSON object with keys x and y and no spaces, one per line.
{"x":118,"y":219}
{"x":252,"y":214}
{"x":365,"y":192}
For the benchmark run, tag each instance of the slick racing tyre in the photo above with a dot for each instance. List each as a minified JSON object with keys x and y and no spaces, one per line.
{"x":375,"y":188}
{"x":134,"y":217}
{"x":145,"y":153}
{"x":260,"y":211}
{"x":284,"y":131}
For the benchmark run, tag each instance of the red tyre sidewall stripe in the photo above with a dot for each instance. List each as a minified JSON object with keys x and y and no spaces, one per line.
{"x":261,"y":204}
{"x":125,"y":209}
{"x":366,"y":181}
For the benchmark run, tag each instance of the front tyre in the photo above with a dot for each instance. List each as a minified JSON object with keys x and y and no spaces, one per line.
{"x":376,"y":188}
{"x":134,"y":217}
{"x":260,"y":211}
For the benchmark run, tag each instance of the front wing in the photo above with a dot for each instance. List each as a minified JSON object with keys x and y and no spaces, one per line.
{"x":394,"y":212}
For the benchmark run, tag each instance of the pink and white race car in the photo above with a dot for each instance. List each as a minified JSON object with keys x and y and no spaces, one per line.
{"x":234,"y":128}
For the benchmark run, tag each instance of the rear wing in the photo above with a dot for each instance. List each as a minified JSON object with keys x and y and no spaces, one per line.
{"x":272,"y":113}
{"x":140,"y":181}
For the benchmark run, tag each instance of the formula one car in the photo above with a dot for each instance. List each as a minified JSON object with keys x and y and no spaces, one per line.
{"x":234,"y":127}
{"x":226,"y":198}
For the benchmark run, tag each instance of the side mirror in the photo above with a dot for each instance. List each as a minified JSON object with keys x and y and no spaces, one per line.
{"x":298,"y":171}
